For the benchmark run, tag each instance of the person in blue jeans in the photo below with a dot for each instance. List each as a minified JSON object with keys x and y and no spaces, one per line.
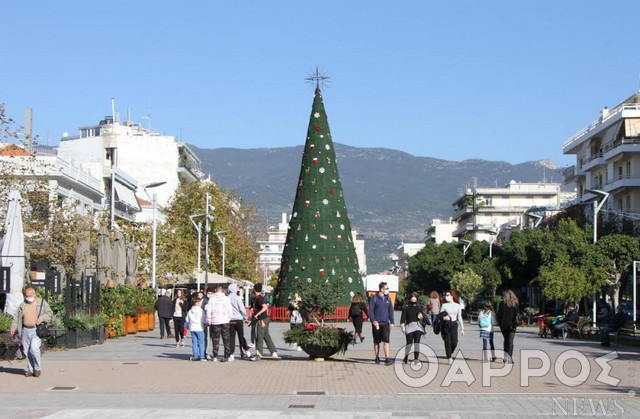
{"x":381,"y":316}
{"x":195,"y":318}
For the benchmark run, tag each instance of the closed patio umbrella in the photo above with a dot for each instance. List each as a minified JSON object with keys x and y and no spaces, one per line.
{"x":83,"y":256}
{"x":104,"y":256}
{"x":119,"y":258}
{"x":132,"y":265}
{"x":12,"y":251}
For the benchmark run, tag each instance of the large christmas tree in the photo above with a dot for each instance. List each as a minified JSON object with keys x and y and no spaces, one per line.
{"x":319,"y":246}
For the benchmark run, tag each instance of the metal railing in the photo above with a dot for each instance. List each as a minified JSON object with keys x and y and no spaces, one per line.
{"x":614,"y":112}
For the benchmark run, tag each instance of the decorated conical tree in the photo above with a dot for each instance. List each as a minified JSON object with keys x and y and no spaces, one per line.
{"x":319,"y":248}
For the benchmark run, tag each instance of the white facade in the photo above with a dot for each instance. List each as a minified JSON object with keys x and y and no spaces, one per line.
{"x":270,"y":254}
{"x":441,"y":231}
{"x":487,"y":212}
{"x":66,"y":180}
{"x":146,"y":156}
{"x":608,"y":158}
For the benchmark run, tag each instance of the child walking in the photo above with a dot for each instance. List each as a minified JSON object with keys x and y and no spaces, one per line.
{"x":195,"y":318}
{"x":486,"y":320}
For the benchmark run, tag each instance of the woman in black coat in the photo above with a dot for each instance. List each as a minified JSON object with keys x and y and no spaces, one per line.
{"x":508,"y":321}
{"x":357,"y":311}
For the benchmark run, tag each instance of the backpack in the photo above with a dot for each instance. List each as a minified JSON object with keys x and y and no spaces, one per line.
{"x":296,"y":317}
{"x":355,"y":310}
{"x":484,"y":319}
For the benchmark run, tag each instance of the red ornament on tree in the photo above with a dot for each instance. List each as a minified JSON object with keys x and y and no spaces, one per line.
{"x":318,"y":128}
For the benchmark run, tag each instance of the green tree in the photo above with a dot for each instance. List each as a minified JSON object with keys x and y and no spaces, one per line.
{"x":563,"y":280}
{"x":432,"y":268}
{"x":617,"y":253}
{"x":177,"y":239}
{"x":467,"y":284}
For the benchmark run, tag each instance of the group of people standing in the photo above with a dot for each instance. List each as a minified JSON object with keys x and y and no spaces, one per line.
{"x":216,"y":316}
{"x":446,"y":311}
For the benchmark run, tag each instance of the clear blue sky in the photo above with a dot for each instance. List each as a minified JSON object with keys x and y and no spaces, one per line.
{"x":497,"y":80}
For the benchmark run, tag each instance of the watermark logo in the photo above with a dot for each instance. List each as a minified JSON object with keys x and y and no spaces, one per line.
{"x":582,"y":406}
{"x":424,"y":367}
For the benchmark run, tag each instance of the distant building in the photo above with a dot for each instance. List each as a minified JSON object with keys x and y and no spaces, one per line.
{"x":136,"y":157}
{"x":65,"y":180}
{"x":270,"y":254}
{"x":441,"y":231}
{"x":608,"y":158}
{"x":482,"y":214}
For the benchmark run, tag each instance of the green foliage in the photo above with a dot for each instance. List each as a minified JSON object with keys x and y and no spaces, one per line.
{"x":616,"y":255}
{"x":5,"y":322}
{"x":433,"y":266}
{"x":324,"y":336}
{"x":86,"y":321}
{"x":468,"y":284}
{"x":148,"y":298}
{"x":565,"y":281}
{"x":317,"y":298}
{"x":177,"y":241}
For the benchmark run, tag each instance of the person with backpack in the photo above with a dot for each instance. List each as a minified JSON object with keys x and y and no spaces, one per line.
{"x":486,"y":320}
{"x":357,"y":311}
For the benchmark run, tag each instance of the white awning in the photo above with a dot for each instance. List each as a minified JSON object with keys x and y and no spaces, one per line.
{"x":126,"y":196}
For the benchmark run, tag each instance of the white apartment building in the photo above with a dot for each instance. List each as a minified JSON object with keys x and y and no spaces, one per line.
{"x":138,"y":157}
{"x":270,"y":254}
{"x":441,"y":231}
{"x":65,"y":180}
{"x":484,"y":213}
{"x":608,"y":158}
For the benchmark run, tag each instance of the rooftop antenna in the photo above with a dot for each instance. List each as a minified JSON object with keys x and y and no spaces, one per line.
{"x":318,"y":78}
{"x":148,"y":117}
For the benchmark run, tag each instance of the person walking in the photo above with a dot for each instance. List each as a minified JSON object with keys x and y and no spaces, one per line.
{"x":261,"y":317}
{"x":164,"y":307}
{"x":434,"y":305}
{"x":381,"y":316}
{"x":357,"y":311}
{"x":507,"y":320}
{"x":180,"y":309}
{"x":411,"y":326}
{"x":219,"y":312}
{"x":31,"y":312}
{"x":486,"y":321}
{"x":195,"y":318}
{"x":451,"y":321}
{"x":236,"y":326}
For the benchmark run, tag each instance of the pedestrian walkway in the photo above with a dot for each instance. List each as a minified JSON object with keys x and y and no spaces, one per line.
{"x":144,"y":376}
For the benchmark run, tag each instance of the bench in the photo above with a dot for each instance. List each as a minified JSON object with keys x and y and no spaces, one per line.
{"x":627,"y":329}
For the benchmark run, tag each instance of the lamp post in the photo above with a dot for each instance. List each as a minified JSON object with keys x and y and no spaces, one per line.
{"x":223,"y":241}
{"x":208,"y":218}
{"x":199,"y":230}
{"x":464,"y":249}
{"x":153,"y":240}
{"x":635,"y":286}
{"x":596,"y":208}
{"x":112,"y":154}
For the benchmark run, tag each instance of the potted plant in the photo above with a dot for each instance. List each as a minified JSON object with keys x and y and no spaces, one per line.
{"x":9,"y":346}
{"x":112,"y":306}
{"x":317,"y":338}
{"x":130,"y":298}
{"x":85,"y":330}
{"x":148,"y":300}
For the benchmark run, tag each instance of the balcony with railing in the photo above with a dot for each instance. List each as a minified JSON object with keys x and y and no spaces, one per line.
{"x":572,"y":173}
{"x":613,"y":115}
{"x":621,"y":182}
{"x":620,"y":146}
{"x":594,"y":160}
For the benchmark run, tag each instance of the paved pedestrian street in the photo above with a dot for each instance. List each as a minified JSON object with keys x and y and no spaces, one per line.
{"x":143,"y":376}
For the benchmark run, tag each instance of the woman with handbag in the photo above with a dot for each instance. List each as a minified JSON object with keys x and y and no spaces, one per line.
{"x":32,"y":313}
{"x":411,"y":324}
{"x":357,"y":311}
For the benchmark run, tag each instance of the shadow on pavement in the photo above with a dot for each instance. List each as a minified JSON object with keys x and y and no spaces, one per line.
{"x":15,"y":371}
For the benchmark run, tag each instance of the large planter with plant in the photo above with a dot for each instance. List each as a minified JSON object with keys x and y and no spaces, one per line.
{"x":84,"y":330}
{"x":9,"y":345}
{"x":112,"y":306}
{"x":148,"y":300}
{"x":316,"y":338}
{"x":132,"y":323}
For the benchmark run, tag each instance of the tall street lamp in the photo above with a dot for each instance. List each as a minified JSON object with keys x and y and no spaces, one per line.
{"x":199,"y":230}
{"x":597,"y":206}
{"x":223,"y":240}
{"x":153,"y":240}
{"x":208,"y":219}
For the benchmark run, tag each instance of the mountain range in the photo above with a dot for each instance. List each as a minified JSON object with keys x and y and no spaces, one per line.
{"x":391,"y":196}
